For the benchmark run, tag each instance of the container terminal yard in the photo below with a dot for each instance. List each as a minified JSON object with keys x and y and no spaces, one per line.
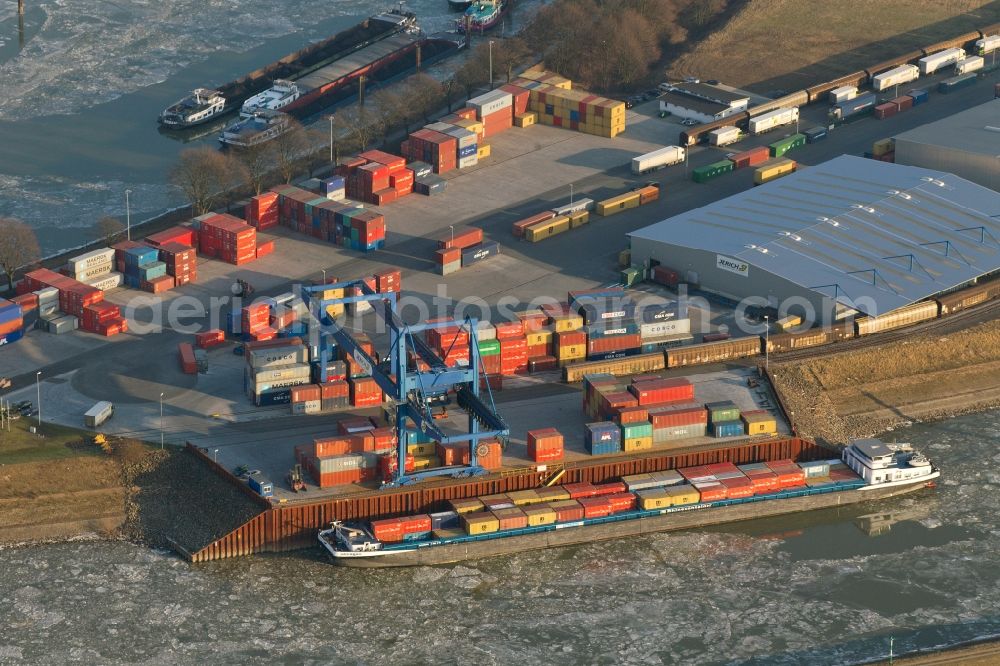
{"x":928,"y":260}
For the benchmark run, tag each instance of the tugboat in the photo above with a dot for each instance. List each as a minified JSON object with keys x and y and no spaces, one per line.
{"x":262,"y":126}
{"x":200,"y":106}
{"x":483,"y":15}
{"x":459,"y":5}
{"x":279,"y":95}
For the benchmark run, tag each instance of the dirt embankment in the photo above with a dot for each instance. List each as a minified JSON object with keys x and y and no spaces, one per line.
{"x":862,"y":393}
{"x":791,"y":44}
{"x":137,"y":493}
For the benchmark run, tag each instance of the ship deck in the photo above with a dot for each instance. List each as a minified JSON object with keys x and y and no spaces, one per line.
{"x":355,"y":61}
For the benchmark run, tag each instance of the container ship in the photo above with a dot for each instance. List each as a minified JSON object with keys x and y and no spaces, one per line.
{"x":664,"y":501}
{"x":380,"y":47}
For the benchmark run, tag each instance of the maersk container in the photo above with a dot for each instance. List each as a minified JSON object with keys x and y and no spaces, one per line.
{"x":935,"y":61}
{"x":957,"y":82}
{"x":970,"y":64}
{"x":772,"y":119}
{"x":657,"y":159}
{"x":779,"y":148}
{"x":710,"y":171}
{"x":723,"y":136}
{"x":858,"y":105}
{"x":602,"y":438}
{"x":896,"y":76}
{"x":728,"y":429}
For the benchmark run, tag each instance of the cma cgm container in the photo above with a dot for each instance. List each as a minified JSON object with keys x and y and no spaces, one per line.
{"x":710,"y":171}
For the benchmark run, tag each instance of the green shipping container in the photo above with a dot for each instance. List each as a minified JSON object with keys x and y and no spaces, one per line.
{"x":633,"y":430}
{"x":489,"y":347}
{"x":631,"y":276}
{"x":710,"y":171}
{"x":779,"y":148}
{"x":719,"y":412}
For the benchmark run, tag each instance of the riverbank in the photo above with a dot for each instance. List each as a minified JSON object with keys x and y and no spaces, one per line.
{"x":866,"y":392}
{"x":986,"y":653}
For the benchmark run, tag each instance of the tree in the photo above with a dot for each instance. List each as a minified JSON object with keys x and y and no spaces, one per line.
{"x":424,"y":94}
{"x":203,"y":174}
{"x":508,"y":54}
{"x":358,"y":124}
{"x":290,"y":149}
{"x":452,"y":92}
{"x":474,"y":72}
{"x":255,"y":163}
{"x":18,"y":247}
{"x":107,"y":228}
{"x":386,"y":107}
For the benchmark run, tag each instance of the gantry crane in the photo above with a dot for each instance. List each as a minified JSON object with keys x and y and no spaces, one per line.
{"x":412,"y":392}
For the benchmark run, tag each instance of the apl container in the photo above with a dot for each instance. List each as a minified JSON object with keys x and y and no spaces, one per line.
{"x":602,"y":438}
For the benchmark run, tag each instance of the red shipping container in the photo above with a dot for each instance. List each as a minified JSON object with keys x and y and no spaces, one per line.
{"x":414,"y":524}
{"x":578,"y":490}
{"x":521,"y":97}
{"x":660,"y":391}
{"x":613,"y":343}
{"x":467,"y":113}
{"x":494,"y":454}
{"x":518,"y":227}
{"x":389,"y":280}
{"x":265,"y":249}
{"x":610,"y":488}
{"x":181,"y":235}
{"x":620,"y":502}
{"x":751,"y":157}
{"x":542,"y":363}
{"x":712,"y":491}
{"x":678,"y":415}
{"x":595,"y":507}
{"x":463,"y":237}
{"x":545,"y":444}
{"x":627,"y":415}
{"x":452,"y":454}
{"x":185,"y":353}
{"x":511,"y":519}
{"x":670,"y":278}
{"x":570,"y":339}
{"x":738,"y":487}
{"x":886,"y":110}
{"x":507,"y":330}
{"x":902,"y":103}
{"x":567,"y":511}
{"x":388,"y":530}
{"x":305,"y":393}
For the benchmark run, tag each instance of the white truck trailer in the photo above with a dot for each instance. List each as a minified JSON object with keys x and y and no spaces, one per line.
{"x":772,"y":119}
{"x":98,"y":414}
{"x":895,"y":76}
{"x":935,"y":61}
{"x":657,"y":159}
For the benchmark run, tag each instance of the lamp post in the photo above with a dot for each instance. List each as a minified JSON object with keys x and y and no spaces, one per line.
{"x":128,"y":216}
{"x":452,"y":227}
{"x":491,"y":64}
{"x":330,"y":118}
{"x":767,"y":342}
{"x":571,"y":193}
{"x":215,"y":455}
{"x":324,"y":276}
{"x":38,"y":395}
{"x":161,"y":420}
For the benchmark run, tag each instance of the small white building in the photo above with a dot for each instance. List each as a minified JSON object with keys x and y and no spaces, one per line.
{"x":702,"y":102}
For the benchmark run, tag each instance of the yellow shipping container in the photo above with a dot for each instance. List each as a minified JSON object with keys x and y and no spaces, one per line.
{"x":882,"y":146}
{"x":683,"y":494}
{"x":553,"y":494}
{"x":471,"y":125}
{"x":625,"y":258}
{"x":791,"y":321}
{"x":539,"y":338}
{"x":654,"y":498}
{"x":543,"y":230}
{"x":617,"y":204}
{"x":498,"y":497}
{"x":466,"y":505}
{"x":579,"y":218}
{"x":483,"y":150}
{"x":540,"y":516}
{"x":524,"y":497}
{"x":571,"y":352}
{"x":447,"y":533}
{"x":775,"y":168}
{"x":481,"y":523}
{"x":335,"y":310}
{"x":425,"y":462}
{"x":637,"y":444}
{"x":564,"y":323}
{"x":525,"y":119}
{"x":760,"y":424}
{"x":423,"y":449}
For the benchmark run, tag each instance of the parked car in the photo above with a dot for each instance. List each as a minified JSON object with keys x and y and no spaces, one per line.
{"x":629,"y":104}
{"x":692,"y":79}
{"x":712,"y":82}
{"x":652,"y":94}
{"x":666,"y":87}
{"x":689,"y":122}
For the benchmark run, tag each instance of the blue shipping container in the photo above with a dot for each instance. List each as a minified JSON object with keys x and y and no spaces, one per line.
{"x":601,"y":438}
{"x":610,"y":329}
{"x":728,"y":429}
{"x":919,"y":96}
{"x":131,"y":281}
{"x":261,"y":486}
{"x":12,"y":337}
{"x":140,"y":256}
{"x":479,"y":252}
{"x":11,"y":313}
{"x":612,"y":355}
{"x":333,"y":184}
{"x":653,"y":314}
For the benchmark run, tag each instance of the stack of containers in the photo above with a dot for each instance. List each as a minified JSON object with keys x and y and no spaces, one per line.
{"x":181,"y":262}
{"x":255,"y":322}
{"x":602,"y":438}
{"x":145,"y":271}
{"x":11,"y":322}
{"x":789,"y":474}
{"x":228,"y":238}
{"x":545,"y":445}
{"x":437,"y":149}
{"x":273,"y":368}
{"x":575,"y":109}
{"x":185,"y":236}
{"x":95,"y":268}
{"x":104,"y":319}
{"x":424,"y":180}
{"x":262,"y":211}
{"x":678,"y":422}
{"x":397,"y":182}
{"x":389,"y":280}
{"x":495,"y":110}
{"x":489,"y":356}
{"x":74,"y":296}
{"x":348,"y":226}
{"x":409,"y":528}
{"x":762,"y":478}
{"x":451,"y":343}
{"x":513,"y":348}
{"x":724,"y":417}
{"x":466,"y":145}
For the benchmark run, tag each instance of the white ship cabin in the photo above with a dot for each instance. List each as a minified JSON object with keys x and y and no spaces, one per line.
{"x":878,"y":462}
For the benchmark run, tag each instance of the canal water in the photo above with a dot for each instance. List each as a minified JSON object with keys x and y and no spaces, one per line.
{"x":822,"y":588}
{"x":79,"y":99}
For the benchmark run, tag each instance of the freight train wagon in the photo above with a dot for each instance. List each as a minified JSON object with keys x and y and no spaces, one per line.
{"x":964,"y":299}
{"x":782,"y":342}
{"x":713,"y":352}
{"x":911,"y":314}
{"x":631,"y":365}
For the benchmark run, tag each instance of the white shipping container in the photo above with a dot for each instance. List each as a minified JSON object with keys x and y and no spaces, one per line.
{"x":486,"y":331}
{"x":470,"y":161}
{"x":465,"y":137}
{"x":575,"y":207}
{"x":895,"y":76}
{"x":657,"y":159}
{"x":281,"y":373}
{"x":970,"y":64}
{"x":107,"y":282}
{"x":843,"y":94}
{"x":723,"y":136}
{"x":98,"y":414}
{"x":988,"y":44}
{"x":95,"y":258}
{"x":662,"y":329}
{"x":491,"y":102}
{"x":771,"y":119}
{"x":278,"y":356}
{"x":49,"y":294}
{"x":439,"y":127}
{"x":94,"y":271}
{"x":935,"y":61}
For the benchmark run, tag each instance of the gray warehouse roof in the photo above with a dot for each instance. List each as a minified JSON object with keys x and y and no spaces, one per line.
{"x":853,"y":229}
{"x":976,"y":130}
{"x":686,"y":101}
{"x":711,"y":93}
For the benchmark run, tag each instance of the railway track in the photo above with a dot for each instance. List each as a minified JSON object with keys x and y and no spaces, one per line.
{"x":947,"y":324}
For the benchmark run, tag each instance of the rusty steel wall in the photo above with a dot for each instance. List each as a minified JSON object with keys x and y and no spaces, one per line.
{"x":294,"y":526}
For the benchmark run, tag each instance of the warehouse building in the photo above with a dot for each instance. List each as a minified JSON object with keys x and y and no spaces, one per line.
{"x":849,"y":235}
{"x":966,"y":144}
{"x":702,"y":102}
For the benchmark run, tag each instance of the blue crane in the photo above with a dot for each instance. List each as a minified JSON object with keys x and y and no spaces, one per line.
{"x":412,"y":391}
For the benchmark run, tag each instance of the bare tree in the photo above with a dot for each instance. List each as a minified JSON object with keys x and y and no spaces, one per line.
{"x":508,"y":54}
{"x":386,"y":106}
{"x":426,"y":94}
{"x":18,"y":247}
{"x":359,"y":125}
{"x":203,"y":174}
{"x":107,"y":228}
{"x":474,"y":72}
{"x":289,"y":150}
{"x":256,"y":161}
{"x":236,"y":180}
{"x":452,"y":92}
